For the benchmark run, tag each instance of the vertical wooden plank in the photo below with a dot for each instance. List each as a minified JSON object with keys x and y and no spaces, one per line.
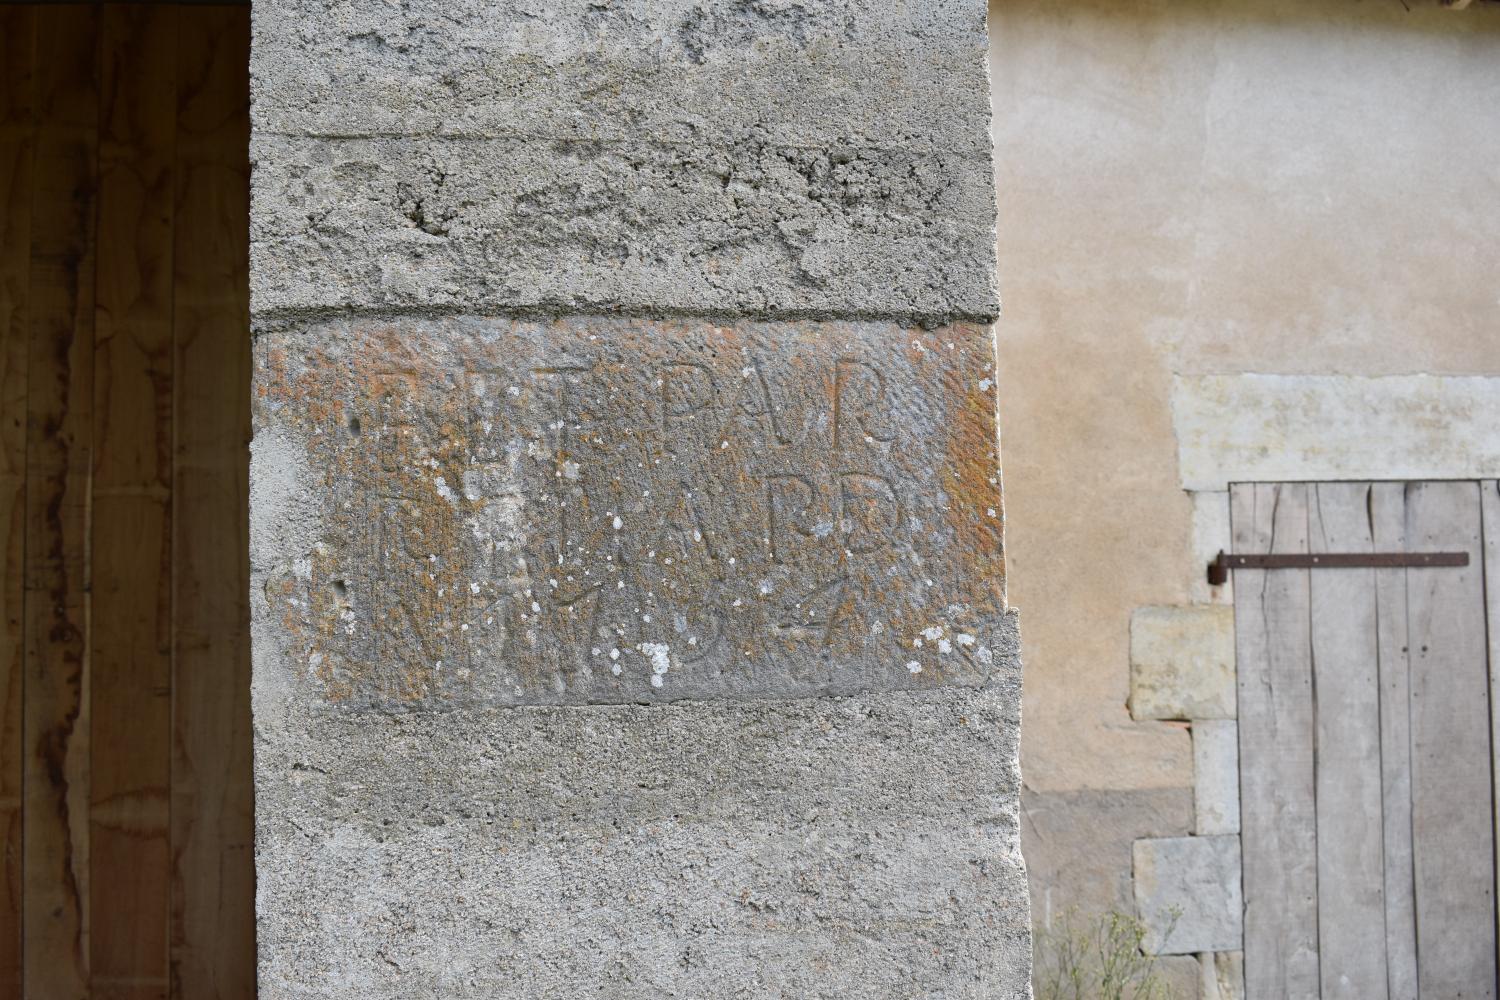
{"x":1489,"y":509}
{"x":1346,"y":707}
{"x":130,"y":691}
{"x":1452,"y":805}
{"x":1388,"y":517}
{"x":16,"y":42}
{"x":213,"y":937}
{"x":1278,"y":817}
{"x":59,"y":400}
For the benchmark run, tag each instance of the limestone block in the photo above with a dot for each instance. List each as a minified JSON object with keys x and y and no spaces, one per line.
{"x":1187,"y":892}
{"x":1216,"y":777}
{"x":603,"y":510}
{"x":1178,"y":977}
{"x":1223,"y":975}
{"x":1281,"y":428}
{"x":814,"y":72}
{"x":1210,"y":536}
{"x":772,"y":157}
{"x":1182,"y":662}
{"x":822,"y":847}
{"x":757,"y":227}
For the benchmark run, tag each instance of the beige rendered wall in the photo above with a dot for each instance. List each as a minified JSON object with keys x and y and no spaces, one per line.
{"x":1194,"y":188}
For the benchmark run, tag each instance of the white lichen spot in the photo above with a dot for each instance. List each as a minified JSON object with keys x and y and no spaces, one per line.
{"x":474,"y":587}
{"x":914,"y":666}
{"x":618,"y":524}
{"x":991,"y":512}
{"x":944,"y":646}
{"x":983,"y":655}
{"x":570,"y":469}
{"x":659,"y":653}
{"x":614,"y":654}
{"x":964,"y":639}
{"x":535,"y":608}
{"x":984,"y":385}
{"x":932,"y":633}
{"x":766,"y":586}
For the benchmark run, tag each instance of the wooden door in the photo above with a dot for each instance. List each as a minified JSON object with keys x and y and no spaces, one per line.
{"x":1366,"y":743}
{"x":125,"y":790}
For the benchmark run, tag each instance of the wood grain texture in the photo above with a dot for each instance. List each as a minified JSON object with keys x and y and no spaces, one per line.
{"x":16,"y":148}
{"x":213,"y":878}
{"x":131,"y":533}
{"x":1278,"y":807}
{"x":59,"y":429}
{"x":1346,"y":706}
{"x":1489,"y":511}
{"x":1388,"y":519}
{"x":1452,"y":805}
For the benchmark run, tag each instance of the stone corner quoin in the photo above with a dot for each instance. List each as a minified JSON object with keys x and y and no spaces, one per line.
{"x":769,"y":159}
{"x":628,"y":601}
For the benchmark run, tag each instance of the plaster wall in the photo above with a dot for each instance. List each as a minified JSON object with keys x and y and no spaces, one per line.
{"x":1191,"y":192}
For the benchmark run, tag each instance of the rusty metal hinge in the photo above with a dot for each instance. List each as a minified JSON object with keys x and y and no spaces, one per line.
{"x":1218,"y":570}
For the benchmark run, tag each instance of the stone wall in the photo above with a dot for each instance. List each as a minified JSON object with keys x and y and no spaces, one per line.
{"x":628,"y":581}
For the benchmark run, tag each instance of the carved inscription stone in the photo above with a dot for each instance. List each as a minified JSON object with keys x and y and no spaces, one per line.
{"x":597,"y":510}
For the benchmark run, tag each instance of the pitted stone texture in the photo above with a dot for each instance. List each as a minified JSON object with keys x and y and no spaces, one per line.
{"x":814,"y":72}
{"x":755,"y":227}
{"x":607,"y":510}
{"x":815,"y":848}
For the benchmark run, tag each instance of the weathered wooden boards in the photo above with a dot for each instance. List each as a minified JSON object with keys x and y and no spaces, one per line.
{"x":1278,"y":805}
{"x":17,"y":34}
{"x":213,"y":874}
{"x":130,"y":625}
{"x":1365,"y":746}
{"x":125,"y":804}
{"x":58,"y":438}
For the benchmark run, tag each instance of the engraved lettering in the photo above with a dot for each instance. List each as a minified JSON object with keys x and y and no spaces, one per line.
{"x":688,"y":390}
{"x":859,"y":391}
{"x":778,"y":521}
{"x":870,"y":513}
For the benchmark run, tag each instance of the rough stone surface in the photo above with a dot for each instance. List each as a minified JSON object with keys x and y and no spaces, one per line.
{"x":628,"y":593}
{"x":606,"y":510}
{"x":904,"y":74}
{"x":1287,"y":428}
{"x":815,"y":848}
{"x":1182,"y":662}
{"x":1216,"y":777}
{"x":1187,"y":892}
{"x":779,"y":157}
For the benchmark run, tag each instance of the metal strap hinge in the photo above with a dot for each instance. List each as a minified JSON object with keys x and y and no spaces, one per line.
{"x":1218,"y":570}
